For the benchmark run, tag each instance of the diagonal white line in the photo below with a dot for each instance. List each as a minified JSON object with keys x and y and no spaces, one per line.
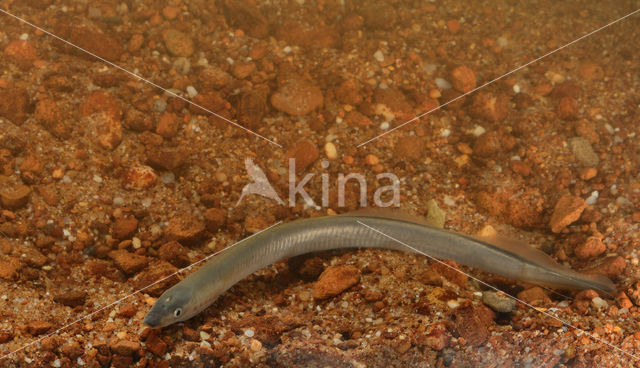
{"x":134,"y":293}
{"x":141,"y":78}
{"x":498,"y":78}
{"x":603,"y":341}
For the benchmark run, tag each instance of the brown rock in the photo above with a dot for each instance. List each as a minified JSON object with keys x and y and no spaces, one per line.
{"x":124,"y":228}
{"x":120,"y":361}
{"x":36,"y":328}
{"x":108,"y":130}
{"x":242,"y":70}
{"x":566,"y":89}
{"x":49,"y":194}
{"x":215,"y":218}
{"x":304,"y":153}
{"x":5,"y":336}
{"x":590,"y":71}
{"x":33,"y":257}
{"x":5,"y":246}
{"x":534,"y":296}
{"x":297,"y":96}
{"x":174,"y":253}
{"x":214,"y":78}
{"x":356,"y":118}
{"x":634,"y":293}
{"x":14,"y":104}
{"x":127,"y":311}
{"x":451,"y":273}
{"x":129,"y":263}
{"x":210,"y":100}
{"x":463,"y":79}
{"x":49,"y":343}
{"x":71,"y":298}
{"x":9,"y":267}
{"x":185,"y":229}
{"x":490,"y":107}
{"x":170,"y":12}
{"x":72,"y":350}
{"x":395,"y":101}
{"x":378,"y":15}
{"x":156,"y":345}
{"x":254,"y":224}
{"x":137,"y":120}
{"x":22,"y":52}
{"x":101,"y":102}
{"x":307,"y":268}
{"x":148,"y":280}
{"x":437,"y":337}
{"x":349,"y":93}
{"x":593,"y":247}
{"x":252,"y":108}
{"x":125,"y":347}
{"x":567,"y":108}
{"x":167,"y":158}
{"x":409,"y":148}
{"x":334,"y":280}
{"x":473,"y":324}
{"x":89,"y":39}
{"x":139,"y":177}
{"x":611,"y":267}
{"x":246,"y":16}
{"x":493,"y":142}
{"x":16,"y":197}
{"x":588,"y":173}
{"x":168,"y":125}
{"x":567,"y":210}
{"x":49,"y":115}
{"x":178,"y":43}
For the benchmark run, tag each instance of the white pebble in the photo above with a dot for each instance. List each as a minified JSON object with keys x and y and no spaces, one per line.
{"x":24,"y":36}
{"x":516,"y":88}
{"x":191,"y":91}
{"x":593,"y":198}
{"x":442,"y":83}
{"x":478,"y":130}
{"x":331,"y":151}
{"x":249,"y":333}
{"x":287,"y":49}
{"x":379,"y":56}
{"x":599,"y":303}
{"x":384,"y":126}
{"x":136,"y":242}
{"x":445,"y":132}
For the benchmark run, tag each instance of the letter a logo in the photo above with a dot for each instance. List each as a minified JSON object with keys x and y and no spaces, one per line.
{"x":260,"y":185}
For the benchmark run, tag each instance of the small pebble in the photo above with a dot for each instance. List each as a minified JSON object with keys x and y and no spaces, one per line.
{"x":331,"y":151}
{"x":249,"y":333}
{"x":379,"y":56}
{"x":442,"y":83}
{"x":191,"y":91}
{"x":498,"y":302}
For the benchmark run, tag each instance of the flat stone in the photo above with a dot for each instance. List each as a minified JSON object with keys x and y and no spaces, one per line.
{"x":498,"y":302}
{"x":567,"y":210}
{"x":583,"y":151}
{"x":16,"y":197}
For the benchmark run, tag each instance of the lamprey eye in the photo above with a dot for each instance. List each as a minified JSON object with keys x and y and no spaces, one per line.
{"x":177,"y":312}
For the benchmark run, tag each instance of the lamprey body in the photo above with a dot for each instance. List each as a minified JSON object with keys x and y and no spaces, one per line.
{"x":201,"y":288}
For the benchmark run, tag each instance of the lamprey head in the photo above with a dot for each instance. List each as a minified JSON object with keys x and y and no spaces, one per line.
{"x":174,"y":305}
